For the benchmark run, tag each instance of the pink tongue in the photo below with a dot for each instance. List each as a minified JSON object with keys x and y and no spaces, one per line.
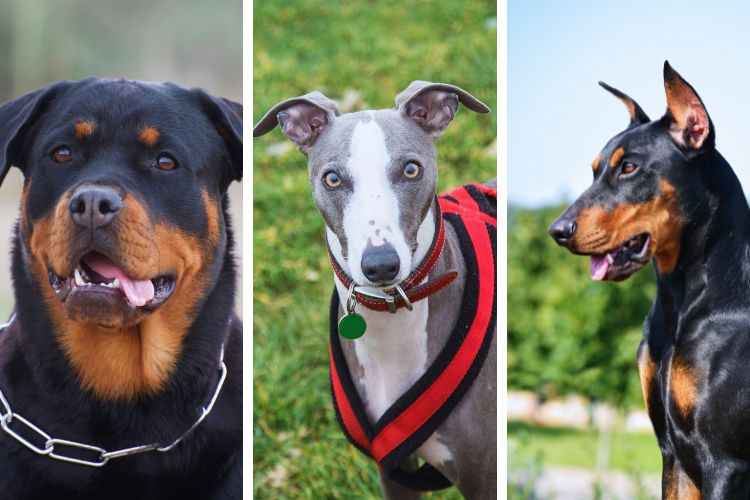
{"x":599,"y":267}
{"x":137,"y":292}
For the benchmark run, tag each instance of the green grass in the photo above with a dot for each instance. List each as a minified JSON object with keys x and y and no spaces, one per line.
{"x":375,"y":48}
{"x":630,"y":452}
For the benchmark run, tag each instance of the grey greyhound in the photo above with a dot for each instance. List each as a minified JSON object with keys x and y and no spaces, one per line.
{"x":374,"y":178}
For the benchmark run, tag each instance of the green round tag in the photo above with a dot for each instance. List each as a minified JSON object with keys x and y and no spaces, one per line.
{"x":352,"y":326}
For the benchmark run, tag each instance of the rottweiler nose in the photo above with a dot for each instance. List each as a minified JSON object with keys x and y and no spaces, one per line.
{"x":94,"y":206}
{"x":562,"y":230}
{"x":380,"y":263}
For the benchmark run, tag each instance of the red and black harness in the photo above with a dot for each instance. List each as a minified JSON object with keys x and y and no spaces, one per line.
{"x":406,"y":425}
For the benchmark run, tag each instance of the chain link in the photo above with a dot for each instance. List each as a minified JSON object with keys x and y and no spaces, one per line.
{"x":103,"y":456}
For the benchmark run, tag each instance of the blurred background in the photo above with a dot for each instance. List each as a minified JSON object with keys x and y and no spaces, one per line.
{"x":577,"y":428}
{"x":361,"y":54}
{"x":189,"y":42}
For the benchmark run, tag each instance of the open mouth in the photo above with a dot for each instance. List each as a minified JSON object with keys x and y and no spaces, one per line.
{"x":98,"y":279}
{"x":622,"y":261}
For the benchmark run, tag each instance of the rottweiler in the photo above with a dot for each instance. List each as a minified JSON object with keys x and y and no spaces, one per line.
{"x":120,"y":369}
{"x":662,"y":193}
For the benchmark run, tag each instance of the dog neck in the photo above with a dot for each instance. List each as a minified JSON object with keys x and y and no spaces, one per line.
{"x":716,"y":211}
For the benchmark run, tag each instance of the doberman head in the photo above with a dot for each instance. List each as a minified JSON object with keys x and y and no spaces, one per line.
{"x":649,"y":186}
{"x":123,"y":230}
{"x":373,"y":173}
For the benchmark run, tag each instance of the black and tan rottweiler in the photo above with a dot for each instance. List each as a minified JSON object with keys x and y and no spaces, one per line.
{"x":663,"y":193}
{"x":112,"y":383}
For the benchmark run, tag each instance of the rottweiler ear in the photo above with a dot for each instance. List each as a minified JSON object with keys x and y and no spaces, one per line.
{"x":689,"y":123}
{"x":302,"y":119}
{"x":16,"y":118}
{"x":637,"y":115}
{"x":433,"y":105}
{"x":226,"y":116}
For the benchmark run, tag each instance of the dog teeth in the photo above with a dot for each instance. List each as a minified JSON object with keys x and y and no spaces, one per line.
{"x":610,"y":259}
{"x":115,"y":283}
{"x":79,"y":278}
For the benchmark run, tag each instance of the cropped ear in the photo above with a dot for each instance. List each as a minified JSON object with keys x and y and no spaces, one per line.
{"x":689,"y":123}
{"x":433,"y":105}
{"x":16,"y":119}
{"x":226,"y":117}
{"x":637,"y":115}
{"x":302,"y":119}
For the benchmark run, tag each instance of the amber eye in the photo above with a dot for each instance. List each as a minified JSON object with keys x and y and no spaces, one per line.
{"x":165,"y":162}
{"x":629,"y":167}
{"x":411,"y":170}
{"x":332,"y":179}
{"x":62,"y":154}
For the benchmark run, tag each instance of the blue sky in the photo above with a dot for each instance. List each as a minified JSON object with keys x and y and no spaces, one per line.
{"x":559,"y":118}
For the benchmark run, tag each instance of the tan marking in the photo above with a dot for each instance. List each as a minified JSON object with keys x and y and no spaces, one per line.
{"x":124,"y":361}
{"x":614,"y":160}
{"x":678,"y":485}
{"x":596,"y":162}
{"x":148,"y":135}
{"x":24,"y":201}
{"x":84,"y":128}
{"x":646,"y":370}
{"x":213,"y":218}
{"x":683,"y":386}
{"x":601,"y":230}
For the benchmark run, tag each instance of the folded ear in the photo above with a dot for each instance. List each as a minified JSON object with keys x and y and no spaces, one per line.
{"x":302,"y":119}
{"x":16,"y":118}
{"x":226,"y":117}
{"x":433,"y":105}
{"x":689,"y":123}
{"x":637,"y":115}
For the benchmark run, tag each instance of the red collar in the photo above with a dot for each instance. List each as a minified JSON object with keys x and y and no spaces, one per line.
{"x":412,"y":286}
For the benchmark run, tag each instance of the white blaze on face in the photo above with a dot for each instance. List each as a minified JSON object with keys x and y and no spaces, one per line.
{"x":372,"y":212}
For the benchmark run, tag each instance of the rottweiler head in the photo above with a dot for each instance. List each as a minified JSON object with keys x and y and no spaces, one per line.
{"x":644,"y":179}
{"x":122,"y":224}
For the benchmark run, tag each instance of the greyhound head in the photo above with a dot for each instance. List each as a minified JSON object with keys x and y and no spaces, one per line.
{"x":373,"y":173}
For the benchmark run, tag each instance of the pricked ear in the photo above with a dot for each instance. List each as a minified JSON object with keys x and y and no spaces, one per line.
{"x":16,"y":118}
{"x":689,"y":123}
{"x":433,"y":105}
{"x":637,"y":115}
{"x":226,"y":117}
{"x":302,"y":119}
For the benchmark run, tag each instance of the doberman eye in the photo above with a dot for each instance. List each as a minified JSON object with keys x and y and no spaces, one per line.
{"x":332,"y":179}
{"x":62,"y":154}
{"x":165,"y":162}
{"x":628,"y":167}
{"x":411,"y":170}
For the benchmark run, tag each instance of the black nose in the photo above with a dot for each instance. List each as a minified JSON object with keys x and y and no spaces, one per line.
{"x":562,"y":230}
{"x":94,"y":206}
{"x":380,"y":263}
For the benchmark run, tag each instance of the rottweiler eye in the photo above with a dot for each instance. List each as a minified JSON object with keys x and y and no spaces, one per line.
{"x":332,"y":179}
{"x":165,"y":162}
{"x":628,"y":167}
{"x":411,"y":170}
{"x":62,"y":154}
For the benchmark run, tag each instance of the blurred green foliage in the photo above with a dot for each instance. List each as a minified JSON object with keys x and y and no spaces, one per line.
{"x":374,"y":49}
{"x":568,"y":334}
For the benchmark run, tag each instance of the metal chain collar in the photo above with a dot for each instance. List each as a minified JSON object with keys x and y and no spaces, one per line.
{"x":7,"y":416}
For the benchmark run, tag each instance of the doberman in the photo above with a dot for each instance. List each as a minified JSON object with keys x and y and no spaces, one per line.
{"x":662,"y":192}
{"x":120,"y":370}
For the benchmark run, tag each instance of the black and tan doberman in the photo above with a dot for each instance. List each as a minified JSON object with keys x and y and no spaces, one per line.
{"x":663,"y":193}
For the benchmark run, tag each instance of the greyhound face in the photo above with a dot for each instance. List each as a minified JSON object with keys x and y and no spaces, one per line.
{"x":373,"y":174}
